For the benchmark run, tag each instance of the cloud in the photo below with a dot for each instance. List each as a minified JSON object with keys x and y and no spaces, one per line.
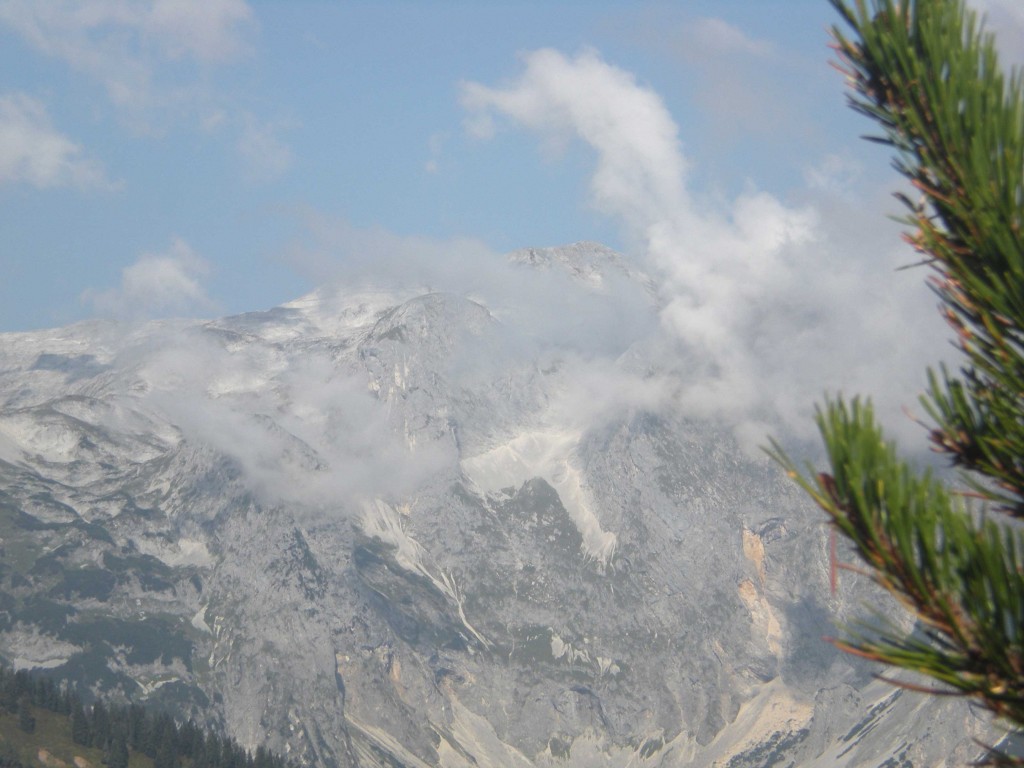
{"x":265,"y":155}
{"x":141,"y":52}
{"x":546,"y":304}
{"x":33,"y":152}
{"x":333,"y":250}
{"x":157,"y":285}
{"x":740,"y":84}
{"x":302,"y":429}
{"x":345,"y":416}
{"x":435,"y":145}
{"x":710,"y":38}
{"x":835,"y":174}
{"x":564,"y":323}
{"x":208,"y":31}
{"x":765,"y":305}
{"x":562,"y":99}
{"x":155,"y":60}
{"x":97,"y":35}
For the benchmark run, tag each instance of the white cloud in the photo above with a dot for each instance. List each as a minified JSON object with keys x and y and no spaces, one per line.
{"x":155,"y":60}
{"x":715,"y":38}
{"x":740,"y":84}
{"x":127,"y":45}
{"x":435,"y":145}
{"x":769,"y":304}
{"x":335,"y":251}
{"x":639,"y":175}
{"x":265,"y":155}
{"x":836,"y":174}
{"x":157,"y":285}
{"x":546,"y":308}
{"x":33,"y":152}
{"x":207,"y":30}
{"x":96,"y":35}
{"x":301,"y":428}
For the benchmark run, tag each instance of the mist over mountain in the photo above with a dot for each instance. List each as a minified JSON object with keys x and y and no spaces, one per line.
{"x":504,"y":516}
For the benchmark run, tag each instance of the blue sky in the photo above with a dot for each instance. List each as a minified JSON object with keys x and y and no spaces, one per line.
{"x":207,"y":133}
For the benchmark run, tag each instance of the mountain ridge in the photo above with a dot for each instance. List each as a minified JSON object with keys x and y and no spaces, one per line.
{"x":403,"y":529}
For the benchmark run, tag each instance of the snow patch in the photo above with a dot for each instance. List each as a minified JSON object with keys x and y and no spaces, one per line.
{"x":560,"y":649}
{"x":28,"y":648}
{"x":149,"y":677}
{"x":341,"y":314}
{"x":51,"y":440}
{"x":199,"y":621}
{"x":183,"y":552}
{"x":548,"y":455}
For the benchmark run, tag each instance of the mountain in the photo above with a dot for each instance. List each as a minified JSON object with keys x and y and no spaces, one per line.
{"x":385,"y":527}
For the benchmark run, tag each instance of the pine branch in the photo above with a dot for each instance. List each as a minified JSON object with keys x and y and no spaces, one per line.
{"x":957,"y":571}
{"x":928,"y":75}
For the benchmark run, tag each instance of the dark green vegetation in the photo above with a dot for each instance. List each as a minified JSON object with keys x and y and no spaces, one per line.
{"x":928,"y":75}
{"x":43,"y":724}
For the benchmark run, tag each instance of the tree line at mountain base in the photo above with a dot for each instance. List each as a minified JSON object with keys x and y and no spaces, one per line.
{"x":120,"y":731}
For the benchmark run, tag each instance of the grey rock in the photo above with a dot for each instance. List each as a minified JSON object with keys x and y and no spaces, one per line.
{"x":380,"y":529}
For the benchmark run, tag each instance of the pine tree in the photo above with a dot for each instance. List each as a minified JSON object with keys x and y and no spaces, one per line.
{"x":927,"y":73}
{"x":164,"y":742}
{"x":100,"y":726}
{"x":80,"y":732}
{"x":165,"y":756}
{"x":26,"y":720}
{"x":263,"y":758}
{"x":8,"y":693}
{"x":117,"y":757}
{"x":138,"y":728}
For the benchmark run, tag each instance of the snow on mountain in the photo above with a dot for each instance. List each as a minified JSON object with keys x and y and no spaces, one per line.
{"x":413,"y":528}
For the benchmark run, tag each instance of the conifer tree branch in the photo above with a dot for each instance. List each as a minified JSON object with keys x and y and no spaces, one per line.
{"x":928,"y":74}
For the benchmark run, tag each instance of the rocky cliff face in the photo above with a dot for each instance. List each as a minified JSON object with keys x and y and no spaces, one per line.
{"x":388,"y":529}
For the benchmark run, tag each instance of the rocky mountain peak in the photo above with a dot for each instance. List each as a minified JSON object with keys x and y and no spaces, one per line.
{"x":384,"y":529}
